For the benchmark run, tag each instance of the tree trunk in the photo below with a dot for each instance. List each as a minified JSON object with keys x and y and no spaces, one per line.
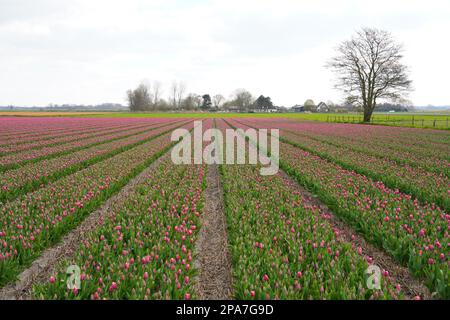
{"x":367,"y":114}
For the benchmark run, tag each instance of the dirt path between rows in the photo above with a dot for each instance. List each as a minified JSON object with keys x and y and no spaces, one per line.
{"x":213,"y":255}
{"x":410,"y":286}
{"x":43,"y":267}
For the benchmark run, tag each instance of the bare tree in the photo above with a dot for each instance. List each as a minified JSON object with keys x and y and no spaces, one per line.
{"x":180,"y":93}
{"x":188,"y":103}
{"x":369,"y":68}
{"x":146,"y":83}
{"x":217,"y":100}
{"x":173,"y":94}
{"x":157,"y":92}
{"x":242,"y":99}
{"x":139,"y":99}
{"x":198,"y":100}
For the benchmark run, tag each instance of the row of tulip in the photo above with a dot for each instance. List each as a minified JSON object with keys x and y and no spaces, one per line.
{"x":423,"y":185}
{"x":426,"y":186}
{"x":144,"y":247}
{"x":401,"y":149}
{"x":34,"y":221}
{"x":435,"y":163}
{"x":31,"y":126}
{"x":416,"y":234}
{"x":32,"y":176}
{"x":411,"y":137}
{"x":14,"y":147}
{"x":16,"y":160}
{"x":20,"y":130}
{"x":10,"y":137}
{"x":284,"y":247}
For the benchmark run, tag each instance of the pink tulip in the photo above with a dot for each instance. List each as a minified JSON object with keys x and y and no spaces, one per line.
{"x":113,"y":287}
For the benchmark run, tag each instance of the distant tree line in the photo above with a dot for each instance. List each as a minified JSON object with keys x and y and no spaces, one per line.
{"x":386,"y":107}
{"x":149,"y":97}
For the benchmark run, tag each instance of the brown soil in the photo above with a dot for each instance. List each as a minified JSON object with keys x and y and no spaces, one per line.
{"x":411,"y":287}
{"x":42,"y":268}
{"x":213,"y":255}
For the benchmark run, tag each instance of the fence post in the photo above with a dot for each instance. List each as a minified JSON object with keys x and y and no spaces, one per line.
{"x":434,"y":123}
{"x":413,"y":121}
{"x":422,"y":123}
{"x":447,"y":123}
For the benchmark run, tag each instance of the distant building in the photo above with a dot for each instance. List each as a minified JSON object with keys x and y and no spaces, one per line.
{"x":266,"y":110}
{"x":298,"y":108}
{"x":234,"y":109}
{"x":322,"y":107}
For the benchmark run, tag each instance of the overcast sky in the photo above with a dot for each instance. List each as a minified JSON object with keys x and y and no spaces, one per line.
{"x":90,"y":51}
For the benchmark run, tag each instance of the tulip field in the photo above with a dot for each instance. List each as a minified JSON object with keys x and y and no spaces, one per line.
{"x":347,"y":197}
